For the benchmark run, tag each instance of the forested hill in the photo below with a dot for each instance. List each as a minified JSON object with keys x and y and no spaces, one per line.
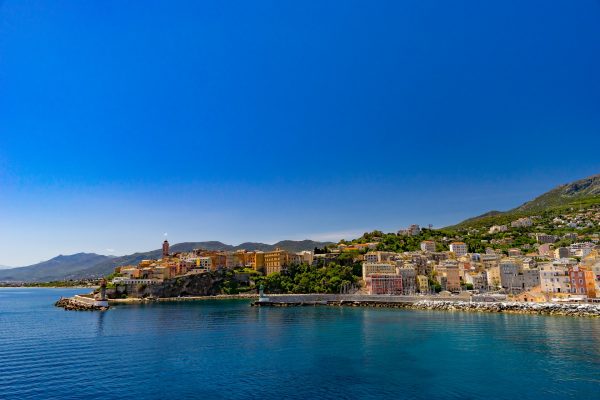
{"x":580,"y":194}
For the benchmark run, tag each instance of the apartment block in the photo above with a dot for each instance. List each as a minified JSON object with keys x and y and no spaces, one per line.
{"x":458,"y":248}
{"x":428,"y":246}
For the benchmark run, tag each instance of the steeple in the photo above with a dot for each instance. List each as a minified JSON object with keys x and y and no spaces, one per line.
{"x":165,"y":249}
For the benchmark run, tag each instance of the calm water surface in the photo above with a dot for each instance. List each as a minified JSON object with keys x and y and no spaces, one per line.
{"x":229,"y":350}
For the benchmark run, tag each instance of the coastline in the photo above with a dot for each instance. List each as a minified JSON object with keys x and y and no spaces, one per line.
{"x":137,"y":300}
{"x":570,"y":310}
{"x":49,"y":287}
{"x":398,"y":302}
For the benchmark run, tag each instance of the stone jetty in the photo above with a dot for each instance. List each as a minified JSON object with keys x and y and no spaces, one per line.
{"x":440,"y":304}
{"x":575,"y":310}
{"x":80,"y":303}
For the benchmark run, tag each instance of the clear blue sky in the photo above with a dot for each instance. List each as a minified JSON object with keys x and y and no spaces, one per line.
{"x":267,"y":120}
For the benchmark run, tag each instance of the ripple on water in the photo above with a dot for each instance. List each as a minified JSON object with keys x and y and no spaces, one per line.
{"x":226,"y":349}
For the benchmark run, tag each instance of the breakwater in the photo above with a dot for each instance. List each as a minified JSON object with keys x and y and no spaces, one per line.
{"x":575,"y":310}
{"x":81,"y":303}
{"x":439,"y":304}
{"x":134,"y":300}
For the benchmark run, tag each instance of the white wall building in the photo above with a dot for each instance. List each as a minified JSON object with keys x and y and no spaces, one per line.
{"x":428,"y":245}
{"x":458,"y":248}
{"x":369,"y":268}
{"x":554,"y":278}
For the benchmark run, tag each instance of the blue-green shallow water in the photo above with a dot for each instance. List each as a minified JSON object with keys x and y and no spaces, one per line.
{"x":226,"y":349}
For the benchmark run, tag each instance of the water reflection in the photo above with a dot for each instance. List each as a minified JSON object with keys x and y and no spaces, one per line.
{"x":227,"y":349}
{"x":100,"y":323}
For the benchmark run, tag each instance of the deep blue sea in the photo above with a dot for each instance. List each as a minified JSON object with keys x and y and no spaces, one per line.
{"x":229,"y":350}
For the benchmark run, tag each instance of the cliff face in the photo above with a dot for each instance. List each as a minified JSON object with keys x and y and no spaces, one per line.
{"x":193,"y":285}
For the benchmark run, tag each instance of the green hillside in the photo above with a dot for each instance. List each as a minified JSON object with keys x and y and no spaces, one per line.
{"x":580,"y":194}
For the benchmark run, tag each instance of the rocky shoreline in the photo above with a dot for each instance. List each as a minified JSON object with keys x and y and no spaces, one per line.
{"x":74,"y":305}
{"x":134,"y":300}
{"x":508,"y":307}
{"x":573,"y":310}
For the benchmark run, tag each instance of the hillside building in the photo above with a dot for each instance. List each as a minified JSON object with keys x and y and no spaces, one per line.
{"x":458,"y":248}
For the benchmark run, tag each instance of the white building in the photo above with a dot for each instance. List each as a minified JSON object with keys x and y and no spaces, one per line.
{"x":581,"y":249}
{"x":412,"y":230}
{"x":478,"y":280}
{"x":369,"y":268}
{"x":522,"y":223}
{"x":379,"y":256}
{"x":498,"y":228}
{"x":305,"y":257}
{"x":554,"y":278}
{"x":458,"y":248}
{"x":428,"y":245}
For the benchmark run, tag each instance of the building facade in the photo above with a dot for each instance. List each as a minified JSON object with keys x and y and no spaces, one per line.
{"x":458,"y":248}
{"x":428,"y":246}
{"x":369,"y":268}
{"x":276,"y":261}
{"x":384,"y":284}
{"x":582,"y":281}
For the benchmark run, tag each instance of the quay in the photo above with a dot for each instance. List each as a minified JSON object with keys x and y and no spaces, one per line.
{"x":82,"y":302}
{"x":283,"y":300}
{"x":454,"y":303}
{"x":86,"y":302}
{"x":133,"y":300}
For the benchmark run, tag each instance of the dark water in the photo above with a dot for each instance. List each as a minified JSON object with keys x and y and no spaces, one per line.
{"x":226,"y":349}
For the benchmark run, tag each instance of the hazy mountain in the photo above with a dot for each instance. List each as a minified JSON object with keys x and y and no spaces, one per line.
{"x":580,"y":194}
{"x":57,"y":268}
{"x":4,"y":267}
{"x":77,"y":266}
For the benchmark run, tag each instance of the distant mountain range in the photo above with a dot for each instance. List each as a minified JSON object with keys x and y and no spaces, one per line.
{"x":90,"y":265}
{"x":54,"y":269}
{"x":580,"y":194}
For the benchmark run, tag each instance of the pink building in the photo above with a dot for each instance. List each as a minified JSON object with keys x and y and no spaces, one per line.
{"x":545,"y":250}
{"x":384,"y":284}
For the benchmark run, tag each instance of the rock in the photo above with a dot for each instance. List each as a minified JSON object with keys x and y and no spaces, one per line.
{"x":72,"y":305}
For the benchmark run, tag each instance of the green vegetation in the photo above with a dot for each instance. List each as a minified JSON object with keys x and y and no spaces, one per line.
{"x":402,"y":243}
{"x":578,"y":195}
{"x":310,"y":279}
{"x":240,"y":280}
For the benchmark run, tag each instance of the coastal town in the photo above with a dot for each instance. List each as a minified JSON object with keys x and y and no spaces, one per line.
{"x":525,"y":260}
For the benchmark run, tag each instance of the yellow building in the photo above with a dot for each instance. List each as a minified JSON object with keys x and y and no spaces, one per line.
{"x":130,"y":271}
{"x":493,"y":277}
{"x":162,"y":272}
{"x":259,"y":261}
{"x":369,"y":268}
{"x":422,"y":284}
{"x":276,"y":261}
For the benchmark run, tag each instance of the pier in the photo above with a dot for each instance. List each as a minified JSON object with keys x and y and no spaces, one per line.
{"x":430,"y":303}
{"x":284,"y":300}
